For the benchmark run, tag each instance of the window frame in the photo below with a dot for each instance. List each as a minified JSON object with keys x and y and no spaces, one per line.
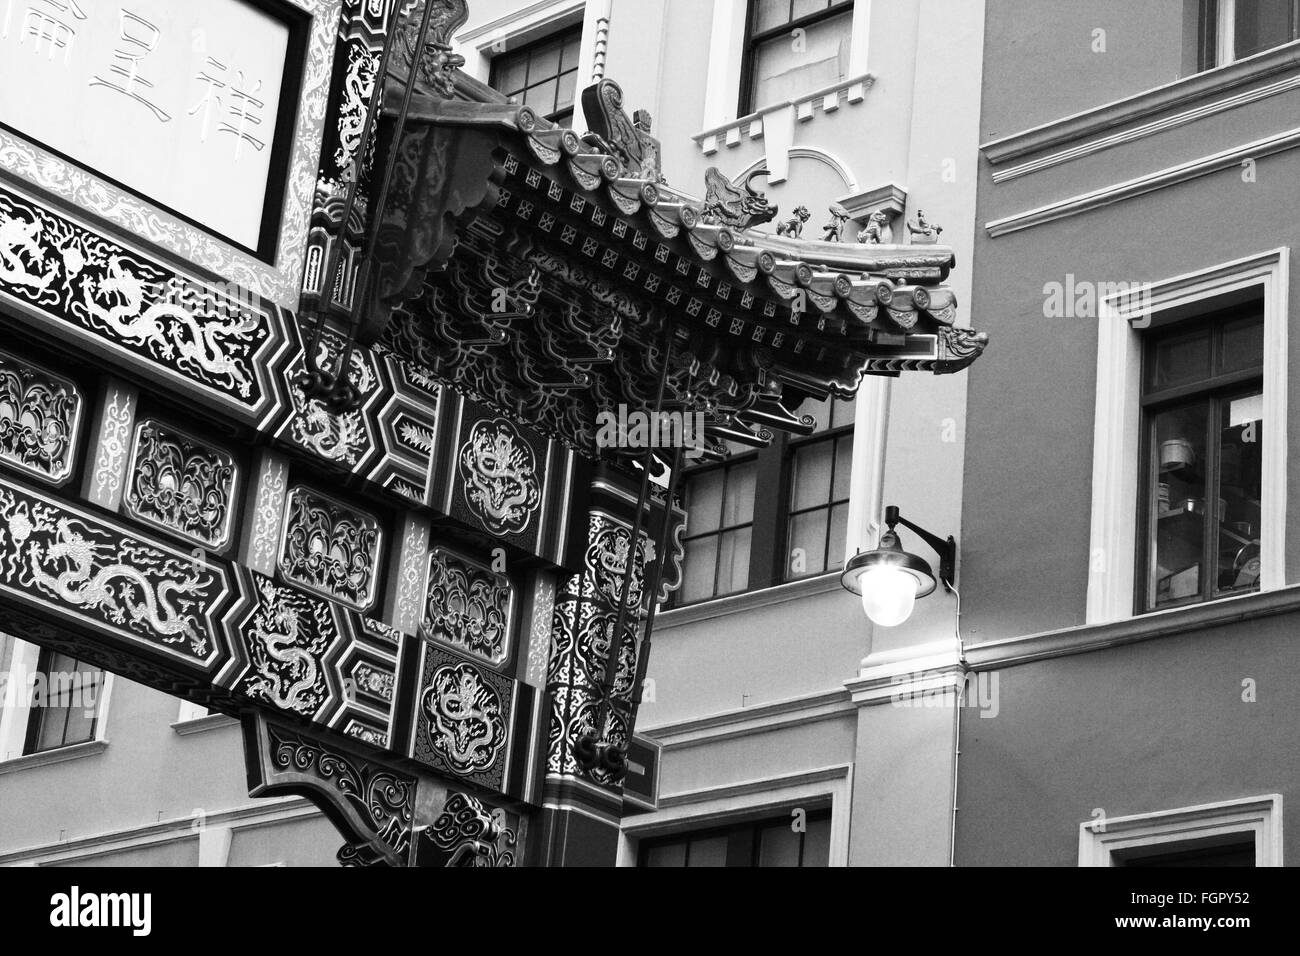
{"x":736,"y":832}
{"x":36,"y":713}
{"x":714,"y":806}
{"x":831,"y":436}
{"x":1110,"y":842}
{"x":16,"y":722}
{"x":752,"y":40}
{"x":735,"y":461}
{"x":1112,"y":564}
{"x":562,"y":35}
{"x":1216,"y":33}
{"x":1214,"y":389}
{"x":769,"y":537}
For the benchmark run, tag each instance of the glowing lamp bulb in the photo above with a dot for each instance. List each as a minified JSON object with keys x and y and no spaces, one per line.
{"x":888,"y":595}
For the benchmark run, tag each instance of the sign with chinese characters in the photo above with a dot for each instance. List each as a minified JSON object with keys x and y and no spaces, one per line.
{"x":180,"y":102}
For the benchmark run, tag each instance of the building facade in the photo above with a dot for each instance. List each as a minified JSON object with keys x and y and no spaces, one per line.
{"x":757,"y":689}
{"x":1128,"y":552}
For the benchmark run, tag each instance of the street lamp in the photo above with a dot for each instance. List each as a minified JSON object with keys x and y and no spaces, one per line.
{"x":889,"y":579}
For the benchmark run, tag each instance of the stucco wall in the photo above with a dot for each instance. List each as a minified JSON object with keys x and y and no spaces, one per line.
{"x":1138,"y":729}
{"x":1032,"y":395}
{"x":1042,"y":63}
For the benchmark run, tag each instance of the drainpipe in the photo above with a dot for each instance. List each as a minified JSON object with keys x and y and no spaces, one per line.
{"x":956,"y":733}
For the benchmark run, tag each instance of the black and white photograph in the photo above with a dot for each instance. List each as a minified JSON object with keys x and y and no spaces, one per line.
{"x":649,"y":434}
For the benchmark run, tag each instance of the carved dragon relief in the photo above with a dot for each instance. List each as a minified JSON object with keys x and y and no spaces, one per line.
{"x":128,"y":300}
{"x":135,"y":589}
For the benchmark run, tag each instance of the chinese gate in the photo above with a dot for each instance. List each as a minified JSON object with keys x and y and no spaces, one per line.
{"x":298,"y":417}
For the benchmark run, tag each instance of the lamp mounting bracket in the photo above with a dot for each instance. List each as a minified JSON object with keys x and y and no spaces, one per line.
{"x":946,"y":550}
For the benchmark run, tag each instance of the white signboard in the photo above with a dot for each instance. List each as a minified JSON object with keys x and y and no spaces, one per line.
{"x":177,"y":100}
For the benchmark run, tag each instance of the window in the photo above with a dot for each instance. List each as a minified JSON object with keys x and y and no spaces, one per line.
{"x":1117,"y":583}
{"x":793,"y":47}
{"x":64,"y":703}
{"x":1202,"y":404}
{"x":50,"y":701}
{"x":1235,"y":29}
{"x":821,"y":467}
{"x":720,"y":532}
{"x":732,"y":544}
{"x":770,"y":843}
{"x":542,"y":75}
{"x":1232,"y":854}
{"x":1241,"y":832}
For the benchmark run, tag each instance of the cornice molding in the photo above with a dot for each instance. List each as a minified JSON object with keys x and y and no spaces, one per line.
{"x":1179,"y":93}
{"x":931,"y":668}
{"x":1148,"y":129}
{"x":853,"y":90}
{"x":748,"y":601}
{"x":48,"y":757}
{"x":766,"y":785}
{"x":761,"y":718}
{"x":273,"y":810}
{"x":1012,"y":651}
{"x":201,"y":724}
{"x":1161,"y":179}
{"x":541,"y":13}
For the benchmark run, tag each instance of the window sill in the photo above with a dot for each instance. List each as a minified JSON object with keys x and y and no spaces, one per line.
{"x":1008,"y":652}
{"x":202,"y":724}
{"x":746,"y":601}
{"x":852,"y":90}
{"x":1103,"y":121}
{"x":45,"y":759}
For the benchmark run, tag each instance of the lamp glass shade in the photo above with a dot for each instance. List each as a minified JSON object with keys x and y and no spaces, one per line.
{"x":888,"y":594}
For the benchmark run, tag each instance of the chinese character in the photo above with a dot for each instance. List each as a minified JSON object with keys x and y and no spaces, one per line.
{"x":210,"y":95}
{"x":48,"y":28}
{"x":139,"y":38}
{"x":242,"y":112}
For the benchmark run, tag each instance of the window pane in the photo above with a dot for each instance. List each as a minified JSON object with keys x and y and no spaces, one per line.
{"x":1239,"y":489}
{"x":739,"y":505}
{"x":80,"y":726}
{"x":778,"y":846}
{"x":568,"y":89}
{"x":807,"y":544}
{"x":1243,"y":345}
{"x":545,"y":62}
{"x":572,"y":49}
{"x":1178,"y":504}
{"x":671,"y":854}
{"x":511,"y":74}
{"x":817,"y":843}
{"x":843,"y":468}
{"x":783,"y":73}
{"x":709,"y":852}
{"x":839,"y":535}
{"x":733,"y":563}
{"x":1261,"y":24}
{"x":542,"y":97}
{"x":698,"y":568}
{"x":704,"y":502}
{"x":803,"y":8}
{"x":1180,"y":359}
{"x":811,"y":478}
{"x":64,"y":710}
{"x":771,"y":13}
